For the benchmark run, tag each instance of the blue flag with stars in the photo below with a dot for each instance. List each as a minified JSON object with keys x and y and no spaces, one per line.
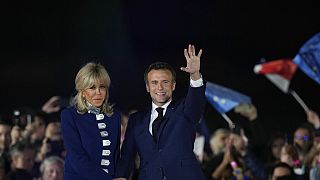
{"x":308,"y":58}
{"x":224,"y":99}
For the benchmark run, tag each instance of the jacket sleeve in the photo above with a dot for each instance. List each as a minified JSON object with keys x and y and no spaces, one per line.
{"x":79,"y":158}
{"x":195,"y":103}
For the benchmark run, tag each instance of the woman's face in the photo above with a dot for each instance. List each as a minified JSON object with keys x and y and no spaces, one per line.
{"x":276,"y":147}
{"x":24,"y":160}
{"x":285,"y":157}
{"x":96,"y":94}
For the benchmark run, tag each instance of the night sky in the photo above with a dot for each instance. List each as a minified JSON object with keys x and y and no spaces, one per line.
{"x":46,"y":42}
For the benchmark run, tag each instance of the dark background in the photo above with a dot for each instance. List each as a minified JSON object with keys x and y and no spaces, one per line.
{"x":46,"y":42}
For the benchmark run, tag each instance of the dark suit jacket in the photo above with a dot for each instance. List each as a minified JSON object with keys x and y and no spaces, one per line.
{"x":84,"y":146}
{"x":172,"y":158}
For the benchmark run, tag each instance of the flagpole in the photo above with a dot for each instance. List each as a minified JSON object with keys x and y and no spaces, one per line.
{"x":231,"y":124}
{"x":300,"y":101}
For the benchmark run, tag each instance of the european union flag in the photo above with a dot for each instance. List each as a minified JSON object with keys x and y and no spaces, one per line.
{"x":224,"y":99}
{"x":308,"y":58}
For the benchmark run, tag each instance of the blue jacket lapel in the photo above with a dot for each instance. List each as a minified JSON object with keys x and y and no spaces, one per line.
{"x":146,"y":122}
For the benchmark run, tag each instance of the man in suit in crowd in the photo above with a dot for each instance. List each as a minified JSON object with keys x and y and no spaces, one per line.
{"x":164,"y":134}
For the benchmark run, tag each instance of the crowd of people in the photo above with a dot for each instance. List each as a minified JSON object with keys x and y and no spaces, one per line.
{"x":242,"y":153}
{"x":36,"y":150}
{"x":31,"y":144}
{"x":92,"y":139}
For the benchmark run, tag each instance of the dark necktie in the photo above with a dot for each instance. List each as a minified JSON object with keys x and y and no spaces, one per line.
{"x":156,"y":123}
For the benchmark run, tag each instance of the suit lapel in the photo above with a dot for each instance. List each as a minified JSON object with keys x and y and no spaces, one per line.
{"x":146,"y":122}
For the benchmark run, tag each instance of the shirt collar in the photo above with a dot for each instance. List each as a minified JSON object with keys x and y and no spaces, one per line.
{"x":154,"y":106}
{"x":92,"y":109}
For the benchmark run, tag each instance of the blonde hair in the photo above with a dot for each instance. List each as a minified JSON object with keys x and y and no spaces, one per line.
{"x":86,"y":77}
{"x":215,"y":142}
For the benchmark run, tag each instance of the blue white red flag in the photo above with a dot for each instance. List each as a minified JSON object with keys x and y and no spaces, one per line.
{"x":279,"y":72}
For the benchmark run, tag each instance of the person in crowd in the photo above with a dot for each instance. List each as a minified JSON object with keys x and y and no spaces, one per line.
{"x":203,"y":132}
{"x":16,"y":134}
{"x":52,"y":143}
{"x":315,"y":165}
{"x":273,"y":151}
{"x":252,"y":125}
{"x":303,"y":140}
{"x":282,"y":171}
{"x":91,"y":127}
{"x":289,"y":155}
{"x":35,"y":130}
{"x":5,"y":141}
{"x":22,"y":161}
{"x":51,"y":168}
{"x":164,"y":134}
{"x":218,"y":141}
{"x":236,"y":161}
{"x":2,"y":169}
{"x":124,"y":121}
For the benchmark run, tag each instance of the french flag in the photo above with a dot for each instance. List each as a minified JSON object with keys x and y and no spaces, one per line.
{"x":279,"y":72}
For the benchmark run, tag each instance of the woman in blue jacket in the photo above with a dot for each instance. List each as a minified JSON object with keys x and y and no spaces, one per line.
{"x":91,"y":128}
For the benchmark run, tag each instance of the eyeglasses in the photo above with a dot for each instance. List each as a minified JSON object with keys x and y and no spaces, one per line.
{"x":304,"y":138}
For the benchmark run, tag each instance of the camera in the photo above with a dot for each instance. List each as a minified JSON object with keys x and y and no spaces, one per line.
{"x":21,"y":120}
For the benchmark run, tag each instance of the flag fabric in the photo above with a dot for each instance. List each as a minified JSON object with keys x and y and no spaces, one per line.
{"x":308,"y":58}
{"x":224,"y":99}
{"x":279,"y":72}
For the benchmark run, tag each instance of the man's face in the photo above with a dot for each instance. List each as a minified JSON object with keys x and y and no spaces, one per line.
{"x":53,"y":131}
{"x":24,"y":160}
{"x":302,"y":138}
{"x":39,"y":128}
{"x":5,"y":136}
{"x":160,"y":85}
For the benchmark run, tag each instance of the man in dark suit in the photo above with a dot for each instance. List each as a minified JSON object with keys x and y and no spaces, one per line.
{"x":164,"y":134}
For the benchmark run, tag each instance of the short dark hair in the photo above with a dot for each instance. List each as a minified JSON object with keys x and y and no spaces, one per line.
{"x":20,"y":146}
{"x":309,"y":128}
{"x":282,"y":165}
{"x":159,"y":66}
